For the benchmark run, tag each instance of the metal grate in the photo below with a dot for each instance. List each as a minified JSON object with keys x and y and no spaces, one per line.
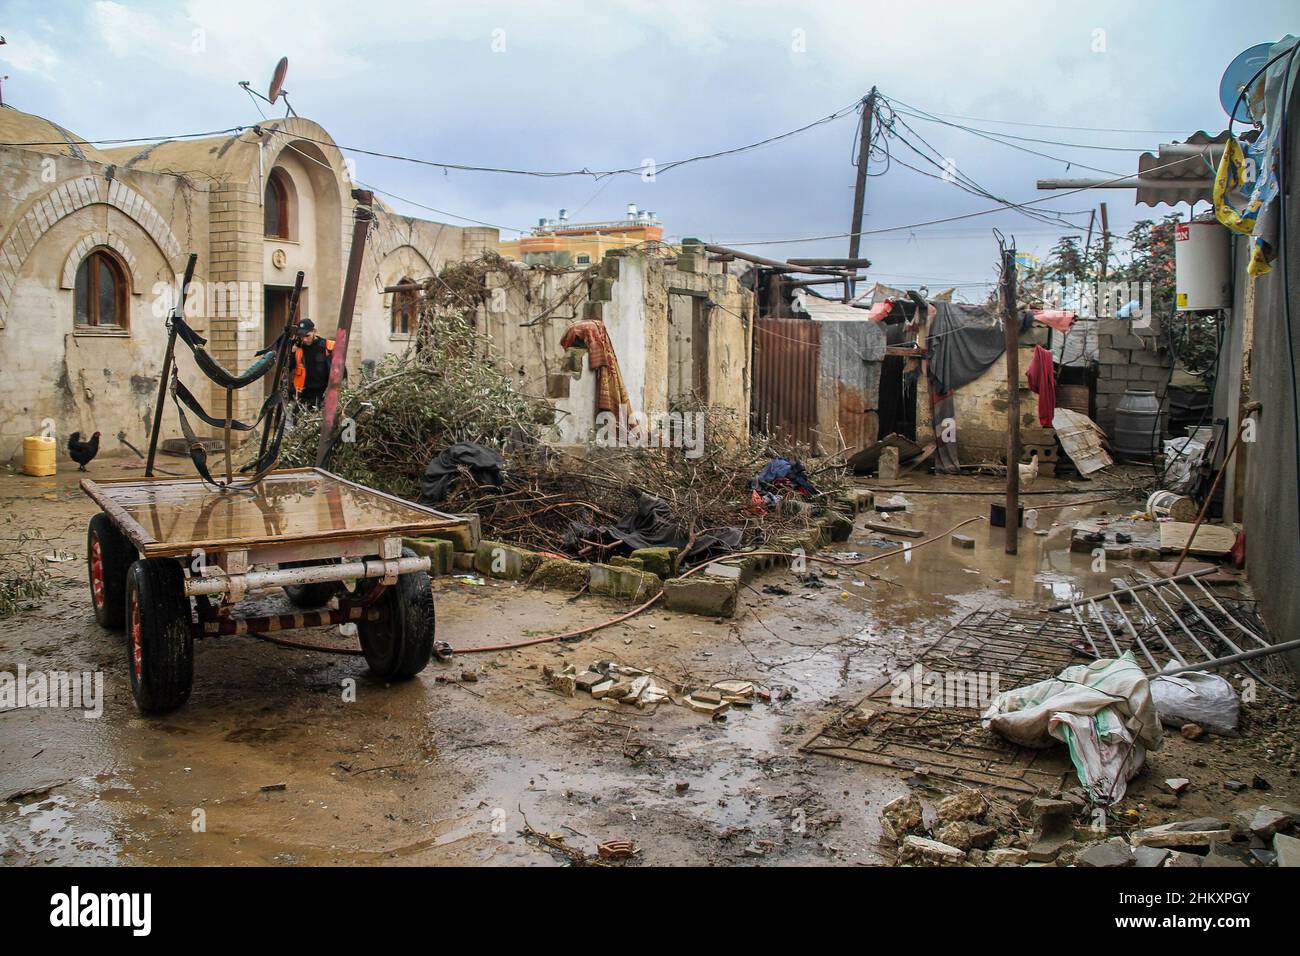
{"x":947,"y":742}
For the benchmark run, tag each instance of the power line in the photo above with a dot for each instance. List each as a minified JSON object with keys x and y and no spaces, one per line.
{"x":930,"y":118}
{"x":1081,"y":129}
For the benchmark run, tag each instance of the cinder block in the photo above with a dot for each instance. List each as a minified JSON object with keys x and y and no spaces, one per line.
{"x":500,"y":560}
{"x":838,"y":527}
{"x":464,"y":537}
{"x":561,"y":574}
{"x":660,"y":561}
{"x":627,"y":583}
{"x":702,"y":594}
{"x":557,"y":386}
{"x":439,"y":551}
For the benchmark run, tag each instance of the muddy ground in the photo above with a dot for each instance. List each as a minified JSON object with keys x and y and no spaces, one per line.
{"x":446,"y":768}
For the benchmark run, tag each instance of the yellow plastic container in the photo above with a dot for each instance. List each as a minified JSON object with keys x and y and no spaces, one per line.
{"x":39,"y":458}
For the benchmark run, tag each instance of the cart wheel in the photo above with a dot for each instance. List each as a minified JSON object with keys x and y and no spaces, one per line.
{"x":400,"y":645}
{"x":309,"y":595}
{"x":108,"y":556}
{"x":160,"y":652}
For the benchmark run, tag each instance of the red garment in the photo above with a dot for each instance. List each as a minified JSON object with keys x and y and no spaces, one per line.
{"x":1041,"y":376}
{"x":1059,"y":319}
{"x":611,"y":394}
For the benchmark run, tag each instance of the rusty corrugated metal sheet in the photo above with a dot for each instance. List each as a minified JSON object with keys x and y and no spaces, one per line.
{"x":849,"y":384}
{"x":785,"y":378}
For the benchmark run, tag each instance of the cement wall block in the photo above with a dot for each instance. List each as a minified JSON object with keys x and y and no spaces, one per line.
{"x":1111,"y":386}
{"x":593,"y":311}
{"x":500,"y":560}
{"x":1151,"y":357}
{"x":1112,"y":356}
{"x":463,"y":538}
{"x":609,"y":266}
{"x":463,"y":560}
{"x":702,"y":594}
{"x":439,"y":551}
{"x":560,"y":574}
{"x":838,"y":526}
{"x":627,"y":583}
{"x":557,"y":386}
{"x":660,"y":561}
{"x":602,"y":289}
{"x":1128,"y":341}
{"x":1155,"y":373}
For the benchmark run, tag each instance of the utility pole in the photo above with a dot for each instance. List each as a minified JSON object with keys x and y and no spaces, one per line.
{"x":1105,"y":242}
{"x":1011,"y":323}
{"x":860,"y":190}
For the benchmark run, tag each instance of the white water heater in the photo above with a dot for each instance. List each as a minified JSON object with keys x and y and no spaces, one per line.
{"x":1202,"y":266}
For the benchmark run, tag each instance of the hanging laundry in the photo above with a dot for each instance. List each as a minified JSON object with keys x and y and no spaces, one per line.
{"x":611,"y":393}
{"x":1041,"y":376}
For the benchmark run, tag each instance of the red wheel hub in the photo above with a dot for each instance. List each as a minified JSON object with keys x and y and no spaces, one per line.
{"x":137,"y":649}
{"x":96,"y":572}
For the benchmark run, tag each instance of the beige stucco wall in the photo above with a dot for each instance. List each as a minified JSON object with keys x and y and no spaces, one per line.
{"x":154,"y":205}
{"x":53,"y":210}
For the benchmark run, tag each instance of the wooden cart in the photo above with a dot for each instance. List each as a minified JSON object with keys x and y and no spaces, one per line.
{"x":169,"y":558}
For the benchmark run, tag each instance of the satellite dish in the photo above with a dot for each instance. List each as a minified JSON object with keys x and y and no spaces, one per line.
{"x":1239,"y":72}
{"x":277,"y":80}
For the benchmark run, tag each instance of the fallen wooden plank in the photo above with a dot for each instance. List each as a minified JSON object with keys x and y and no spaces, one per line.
{"x":886,"y":528}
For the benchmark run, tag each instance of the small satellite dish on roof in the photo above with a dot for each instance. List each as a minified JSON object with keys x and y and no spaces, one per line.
{"x":277,"y":80}
{"x":1241,"y":71}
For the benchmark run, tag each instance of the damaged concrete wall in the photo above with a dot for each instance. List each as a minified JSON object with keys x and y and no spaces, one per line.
{"x":646,"y":302}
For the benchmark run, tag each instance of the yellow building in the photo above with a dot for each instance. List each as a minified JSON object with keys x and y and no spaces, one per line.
{"x":558,"y":242}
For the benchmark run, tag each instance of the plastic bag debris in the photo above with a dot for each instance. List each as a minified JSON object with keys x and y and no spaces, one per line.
{"x":1102,"y":711}
{"x":1196,"y":697}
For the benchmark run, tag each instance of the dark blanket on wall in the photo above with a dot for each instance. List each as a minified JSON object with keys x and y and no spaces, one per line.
{"x":652,"y":525}
{"x":483,"y":463}
{"x":963,"y":343}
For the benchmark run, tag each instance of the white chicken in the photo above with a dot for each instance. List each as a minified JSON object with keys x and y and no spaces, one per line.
{"x":1029,"y":472}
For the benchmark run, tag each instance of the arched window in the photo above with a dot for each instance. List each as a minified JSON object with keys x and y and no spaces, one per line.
{"x":101,"y":290}
{"x":275,"y":206}
{"x":403,"y":309}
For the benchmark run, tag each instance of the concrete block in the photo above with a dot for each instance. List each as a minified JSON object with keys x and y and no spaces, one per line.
{"x":463,"y":560}
{"x":499,"y":560}
{"x":557,"y":386}
{"x":628,"y":583}
{"x":463,"y":538}
{"x":1110,"y":356}
{"x":702,"y":594}
{"x":439,"y":551}
{"x":660,"y":561}
{"x":887,"y":469}
{"x":602,"y":289}
{"x":560,"y":574}
{"x":838,"y":527}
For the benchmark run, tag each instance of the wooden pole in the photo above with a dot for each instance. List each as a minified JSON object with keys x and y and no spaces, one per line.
{"x":1105,"y":241}
{"x":356,"y":255}
{"x":168,"y":358}
{"x":1011,"y":323}
{"x":860,"y":187}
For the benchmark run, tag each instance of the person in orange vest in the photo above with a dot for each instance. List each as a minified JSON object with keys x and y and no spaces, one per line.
{"x":310,"y":362}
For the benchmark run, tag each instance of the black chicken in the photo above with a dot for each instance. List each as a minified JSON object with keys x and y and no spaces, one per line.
{"x":83,"y":452}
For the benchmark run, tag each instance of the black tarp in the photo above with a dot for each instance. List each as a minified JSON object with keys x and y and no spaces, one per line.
{"x":652,"y":525}
{"x":483,"y":463}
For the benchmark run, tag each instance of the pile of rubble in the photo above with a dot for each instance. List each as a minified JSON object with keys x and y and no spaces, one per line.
{"x":623,"y":684}
{"x":966,"y":829}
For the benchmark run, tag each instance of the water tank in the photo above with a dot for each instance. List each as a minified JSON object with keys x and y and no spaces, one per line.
{"x":1202,"y":269}
{"x":1137,"y":426}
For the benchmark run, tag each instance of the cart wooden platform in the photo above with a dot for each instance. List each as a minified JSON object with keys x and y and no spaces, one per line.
{"x":169,"y":558}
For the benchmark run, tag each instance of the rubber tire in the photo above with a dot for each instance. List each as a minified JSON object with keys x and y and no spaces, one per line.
{"x":309,"y":596}
{"x":158,"y":616}
{"x":116,"y":554}
{"x":399,"y":646}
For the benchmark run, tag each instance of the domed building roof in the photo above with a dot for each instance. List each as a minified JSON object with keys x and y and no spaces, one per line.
{"x":27,"y":131}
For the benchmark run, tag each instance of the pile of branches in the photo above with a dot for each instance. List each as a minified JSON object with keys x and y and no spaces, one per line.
{"x":445,"y":388}
{"x":545,"y":492}
{"x":23,"y":574}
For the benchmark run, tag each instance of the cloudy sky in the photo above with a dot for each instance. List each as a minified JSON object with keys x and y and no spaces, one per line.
{"x":555,"y":86}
